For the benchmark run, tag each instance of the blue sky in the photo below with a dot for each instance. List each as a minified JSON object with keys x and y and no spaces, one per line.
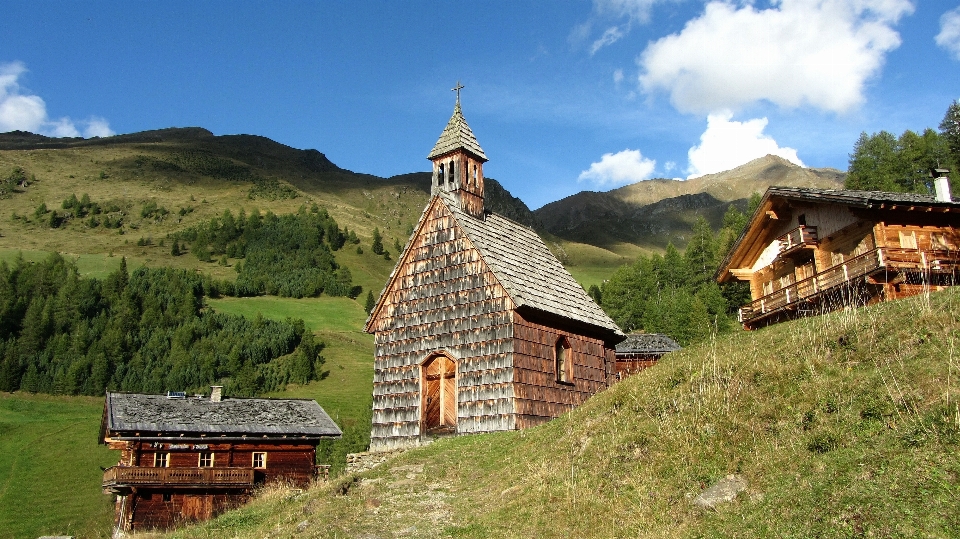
{"x":563,"y":96}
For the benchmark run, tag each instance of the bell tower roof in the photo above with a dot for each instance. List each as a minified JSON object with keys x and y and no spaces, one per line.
{"x":457,"y":135}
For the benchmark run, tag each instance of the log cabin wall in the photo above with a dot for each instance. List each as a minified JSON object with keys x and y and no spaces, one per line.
{"x":540,"y":397}
{"x":288,"y":462}
{"x":442,"y":298}
{"x":157,"y":509}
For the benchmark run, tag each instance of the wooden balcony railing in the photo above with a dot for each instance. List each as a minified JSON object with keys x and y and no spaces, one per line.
{"x":118,"y":477}
{"x":890,"y":259}
{"x":798,"y":238}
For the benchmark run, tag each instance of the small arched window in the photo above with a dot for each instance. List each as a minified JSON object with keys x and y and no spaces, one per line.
{"x":440,"y":173}
{"x":564,"y":361}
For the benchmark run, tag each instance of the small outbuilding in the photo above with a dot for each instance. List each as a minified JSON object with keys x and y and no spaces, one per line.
{"x":479,"y":328}
{"x":189,"y":458}
{"x":641,"y":350}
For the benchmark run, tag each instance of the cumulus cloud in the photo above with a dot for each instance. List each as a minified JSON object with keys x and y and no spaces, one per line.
{"x":949,"y":36}
{"x":727,"y":144}
{"x":798,"y":52}
{"x":621,"y":168}
{"x":29,"y":112}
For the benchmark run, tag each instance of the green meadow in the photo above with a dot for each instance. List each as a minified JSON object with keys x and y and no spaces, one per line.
{"x":50,"y":467}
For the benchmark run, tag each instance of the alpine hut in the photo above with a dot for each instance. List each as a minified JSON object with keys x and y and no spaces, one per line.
{"x":189,"y":458}
{"x":809,"y":251}
{"x":479,"y":327}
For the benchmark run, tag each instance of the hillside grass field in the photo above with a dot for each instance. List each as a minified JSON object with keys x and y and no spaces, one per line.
{"x":50,"y":467}
{"x":844,"y":425}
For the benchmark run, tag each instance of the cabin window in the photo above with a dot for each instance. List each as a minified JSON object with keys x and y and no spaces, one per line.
{"x":938,"y":241}
{"x":161,"y":460}
{"x":802,"y":219}
{"x":836,"y":259}
{"x":167,"y":497}
{"x":259,"y":460}
{"x":908,"y":240}
{"x":206,"y":459}
{"x":564,"y":362}
{"x":440,"y":175}
{"x":476,"y":176}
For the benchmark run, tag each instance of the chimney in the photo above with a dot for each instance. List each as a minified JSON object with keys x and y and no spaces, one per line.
{"x":941,"y":184}
{"x":216,"y":393}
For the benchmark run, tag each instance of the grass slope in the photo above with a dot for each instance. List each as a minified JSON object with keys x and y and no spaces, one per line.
{"x":845,"y":425}
{"x":50,"y":467}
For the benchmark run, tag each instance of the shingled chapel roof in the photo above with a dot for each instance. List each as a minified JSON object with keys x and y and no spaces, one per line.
{"x":152,"y":414}
{"x":529,"y":272}
{"x":457,"y":135}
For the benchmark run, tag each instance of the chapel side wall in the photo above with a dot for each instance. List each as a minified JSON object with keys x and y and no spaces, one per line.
{"x":444,"y":298}
{"x":539,"y":396}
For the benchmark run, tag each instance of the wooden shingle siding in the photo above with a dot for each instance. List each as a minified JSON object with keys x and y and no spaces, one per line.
{"x":441,"y":298}
{"x":449,"y":321}
{"x":539,"y":396}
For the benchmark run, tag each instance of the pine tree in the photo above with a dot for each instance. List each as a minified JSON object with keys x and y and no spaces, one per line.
{"x":377,"y":245}
{"x":950,"y":129}
{"x":369,"y":303}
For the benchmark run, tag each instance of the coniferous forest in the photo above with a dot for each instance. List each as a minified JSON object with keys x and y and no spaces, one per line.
{"x":145,"y":332}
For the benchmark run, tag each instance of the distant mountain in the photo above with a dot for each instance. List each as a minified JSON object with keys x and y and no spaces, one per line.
{"x":652,"y":213}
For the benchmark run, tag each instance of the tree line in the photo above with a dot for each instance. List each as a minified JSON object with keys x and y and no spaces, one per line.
{"x":675,"y":293}
{"x":289,"y":256}
{"x":885,"y":162}
{"x":142,"y":332}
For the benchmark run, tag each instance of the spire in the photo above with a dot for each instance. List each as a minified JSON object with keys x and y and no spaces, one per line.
{"x":457,"y":135}
{"x":458,"y":163}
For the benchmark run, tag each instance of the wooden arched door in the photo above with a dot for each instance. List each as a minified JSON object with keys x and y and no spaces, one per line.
{"x":438,"y":382}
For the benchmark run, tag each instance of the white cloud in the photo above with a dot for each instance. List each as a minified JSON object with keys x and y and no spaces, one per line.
{"x":619,"y":168}
{"x":618,"y":76}
{"x":813,"y":52}
{"x":949,"y":36}
{"x":610,"y":36}
{"x":29,"y":112}
{"x":728,"y":144}
{"x":635,"y":11}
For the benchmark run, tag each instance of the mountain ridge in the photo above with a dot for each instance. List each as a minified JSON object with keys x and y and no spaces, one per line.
{"x":651,"y":213}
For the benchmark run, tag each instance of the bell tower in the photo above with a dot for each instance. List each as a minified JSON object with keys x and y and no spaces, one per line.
{"x":458,"y":163}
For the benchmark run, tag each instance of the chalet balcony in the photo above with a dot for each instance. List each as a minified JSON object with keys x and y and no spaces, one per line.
{"x":798,"y":239}
{"x":123,"y":478}
{"x":889,"y":262}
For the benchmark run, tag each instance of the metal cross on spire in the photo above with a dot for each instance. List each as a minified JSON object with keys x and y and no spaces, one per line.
{"x":457,"y":89}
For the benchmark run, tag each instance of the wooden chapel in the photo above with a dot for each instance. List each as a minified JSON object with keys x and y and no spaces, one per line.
{"x":479,"y":327}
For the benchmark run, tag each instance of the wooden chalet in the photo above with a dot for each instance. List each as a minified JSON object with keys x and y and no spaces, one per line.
{"x":479,"y":327}
{"x":641,"y":350}
{"x":189,"y":458}
{"x":809,"y":251}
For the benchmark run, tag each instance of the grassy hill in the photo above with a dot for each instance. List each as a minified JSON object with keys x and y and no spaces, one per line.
{"x":845,"y":425}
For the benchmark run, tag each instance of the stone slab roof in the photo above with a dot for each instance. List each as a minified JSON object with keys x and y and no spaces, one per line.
{"x":527,"y":269}
{"x":865,"y":199}
{"x":457,"y":135}
{"x":647,"y":343}
{"x":134,"y":412}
